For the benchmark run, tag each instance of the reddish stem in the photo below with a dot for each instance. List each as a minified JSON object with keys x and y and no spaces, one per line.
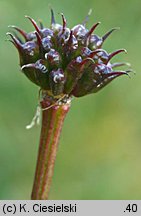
{"x":52,"y":122}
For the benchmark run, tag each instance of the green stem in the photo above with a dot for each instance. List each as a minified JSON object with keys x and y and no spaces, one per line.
{"x":52,"y":122}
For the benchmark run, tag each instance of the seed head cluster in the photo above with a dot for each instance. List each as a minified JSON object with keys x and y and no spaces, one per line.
{"x":64,"y":61}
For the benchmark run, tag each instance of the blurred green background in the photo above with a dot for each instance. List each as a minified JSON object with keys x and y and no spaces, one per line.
{"x":99,"y":155}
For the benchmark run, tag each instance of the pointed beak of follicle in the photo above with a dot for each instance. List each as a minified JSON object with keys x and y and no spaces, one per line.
{"x":22,"y":32}
{"x":104,"y":37}
{"x":111,"y":55}
{"x":15,"y":41}
{"x":33,"y":23}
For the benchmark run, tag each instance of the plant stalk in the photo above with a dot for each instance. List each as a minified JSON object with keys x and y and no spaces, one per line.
{"x":52,"y":122}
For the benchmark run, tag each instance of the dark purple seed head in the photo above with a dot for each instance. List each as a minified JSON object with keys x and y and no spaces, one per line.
{"x":66,"y":61}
